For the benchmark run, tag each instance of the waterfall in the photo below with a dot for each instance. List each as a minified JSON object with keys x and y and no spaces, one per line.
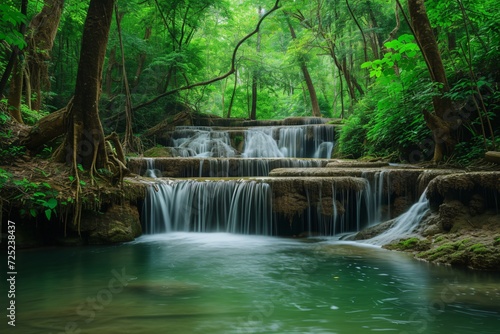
{"x":374,"y":195}
{"x":235,"y":206}
{"x":150,"y":169}
{"x":324,"y":151}
{"x":202,"y":142}
{"x":259,"y":143}
{"x":405,"y":224}
{"x":292,"y":142}
{"x":304,"y":141}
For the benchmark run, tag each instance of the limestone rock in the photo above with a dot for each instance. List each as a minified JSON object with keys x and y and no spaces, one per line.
{"x":119,"y":223}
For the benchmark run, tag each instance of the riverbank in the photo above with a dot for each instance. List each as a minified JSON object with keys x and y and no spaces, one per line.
{"x":463,"y":226}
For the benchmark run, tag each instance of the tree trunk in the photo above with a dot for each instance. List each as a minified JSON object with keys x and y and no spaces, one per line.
{"x":84,"y":143}
{"x":17,"y":68}
{"x":130,"y":143}
{"x":437,"y":122}
{"x":142,"y":59}
{"x":316,"y":112}
{"x":231,"y":102}
{"x":43,"y":29}
{"x":16,"y":91}
{"x":255,"y":77}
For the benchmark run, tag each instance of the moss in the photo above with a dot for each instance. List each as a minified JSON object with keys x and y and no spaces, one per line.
{"x":460,"y":258}
{"x":158,"y":151}
{"x":497,"y":241}
{"x":440,"y":239}
{"x":478,"y":248}
{"x":410,"y":244}
{"x":436,"y":253}
{"x":237,"y":140}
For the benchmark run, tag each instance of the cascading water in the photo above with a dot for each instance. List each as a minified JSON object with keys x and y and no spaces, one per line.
{"x":259,"y":143}
{"x":211,"y":206}
{"x":150,"y":169}
{"x":304,"y":141}
{"x":297,"y":141}
{"x":405,"y":224}
{"x":247,"y":167}
{"x":375,"y":196}
{"x":202,"y":142}
{"x":244,"y":206}
{"x":292,"y":142}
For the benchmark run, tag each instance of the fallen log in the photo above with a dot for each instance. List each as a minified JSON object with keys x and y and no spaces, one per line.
{"x":46,"y":129}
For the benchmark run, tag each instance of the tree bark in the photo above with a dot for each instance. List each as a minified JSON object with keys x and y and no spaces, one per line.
{"x":84,"y":143}
{"x":255,"y":77}
{"x":142,"y":59}
{"x":46,"y":129}
{"x":43,"y":29}
{"x":492,"y":156}
{"x":441,"y":128}
{"x":16,"y":82}
{"x":130,"y":143}
{"x":16,"y":91}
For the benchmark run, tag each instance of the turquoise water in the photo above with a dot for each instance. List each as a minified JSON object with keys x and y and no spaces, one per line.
{"x":224,"y":283}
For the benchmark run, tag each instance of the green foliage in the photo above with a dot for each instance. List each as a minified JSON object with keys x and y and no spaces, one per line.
{"x":352,"y":140}
{"x":12,"y":152}
{"x":10,"y":18}
{"x":4,"y":177}
{"x":400,"y":53}
{"x":36,"y":197}
{"x":30,"y":117}
{"x":8,"y":152}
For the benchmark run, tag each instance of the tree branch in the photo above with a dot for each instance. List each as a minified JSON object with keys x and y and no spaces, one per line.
{"x":222,"y":77}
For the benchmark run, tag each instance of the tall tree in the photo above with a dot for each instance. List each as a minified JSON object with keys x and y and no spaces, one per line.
{"x":84,"y":143}
{"x":16,"y":66}
{"x":307,"y":77}
{"x":438,"y":121}
{"x":42,"y":33}
{"x":255,"y":74}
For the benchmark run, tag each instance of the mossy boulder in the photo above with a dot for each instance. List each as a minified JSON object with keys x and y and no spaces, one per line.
{"x":159,"y":152}
{"x":119,"y":223}
{"x":410,"y":244}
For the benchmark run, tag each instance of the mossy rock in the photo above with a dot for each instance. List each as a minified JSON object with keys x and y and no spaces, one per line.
{"x":158,"y":152}
{"x":410,"y":244}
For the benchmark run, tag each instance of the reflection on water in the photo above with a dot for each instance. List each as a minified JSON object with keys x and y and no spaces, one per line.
{"x":223,"y":283}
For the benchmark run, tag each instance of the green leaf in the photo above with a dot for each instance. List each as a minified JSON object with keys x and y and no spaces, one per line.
{"x":80,"y":167}
{"x":412,"y":54}
{"x":33,"y":212}
{"x":366,"y":64}
{"x":48,"y":213}
{"x":51,"y":203}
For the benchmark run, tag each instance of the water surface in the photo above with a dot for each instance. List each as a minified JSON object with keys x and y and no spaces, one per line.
{"x":224,"y":283}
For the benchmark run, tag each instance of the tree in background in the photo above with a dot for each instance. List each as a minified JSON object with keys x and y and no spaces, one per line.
{"x":41,"y":35}
{"x":440,"y":121}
